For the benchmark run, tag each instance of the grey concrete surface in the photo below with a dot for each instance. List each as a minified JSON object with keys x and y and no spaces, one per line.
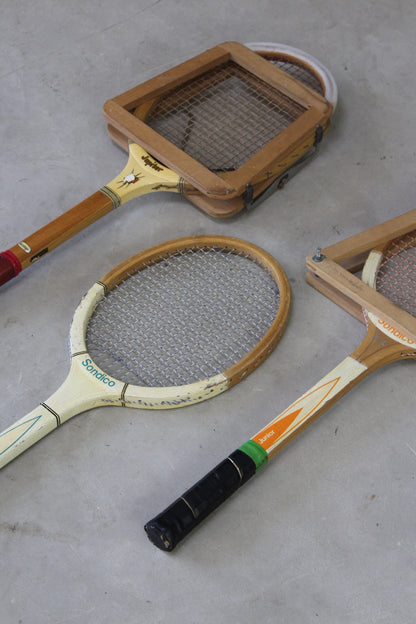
{"x":327,"y":532}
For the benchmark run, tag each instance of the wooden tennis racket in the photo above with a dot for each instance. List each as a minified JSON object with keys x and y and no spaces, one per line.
{"x":392,"y":272}
{"x":307,"y":70}
{"x":216,"y":125}
{"x":174,"y":325}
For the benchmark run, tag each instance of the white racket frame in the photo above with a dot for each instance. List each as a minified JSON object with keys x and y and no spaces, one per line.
{"x":328,"y":81}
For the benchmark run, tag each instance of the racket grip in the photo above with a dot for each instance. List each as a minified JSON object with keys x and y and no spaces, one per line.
{"x":9,"y":266}
{"x":168,"y":528}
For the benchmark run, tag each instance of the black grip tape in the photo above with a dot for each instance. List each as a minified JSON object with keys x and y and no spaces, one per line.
{"x":168,"y":528}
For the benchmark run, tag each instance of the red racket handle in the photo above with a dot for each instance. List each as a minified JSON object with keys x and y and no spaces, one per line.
{"x":9,"y":266}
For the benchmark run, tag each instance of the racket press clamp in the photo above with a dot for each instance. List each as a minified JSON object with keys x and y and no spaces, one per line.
{"x":278,"y":183}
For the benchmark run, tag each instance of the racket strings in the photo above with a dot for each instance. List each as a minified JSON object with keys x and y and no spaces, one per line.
{"x":230,"y":344}
{"x":396,"y":278}
{"x":177,"y":286}
{"x":187,"y":317}
{"x":223,"y":117}
{"x":170,"y":324}
{"x":298,"y":71}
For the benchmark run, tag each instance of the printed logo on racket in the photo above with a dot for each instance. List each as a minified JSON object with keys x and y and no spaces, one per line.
{"x":389,"y":329}
{"x":152,"y":163}
{"x":130,"y":178}
{"x":97,"y":373}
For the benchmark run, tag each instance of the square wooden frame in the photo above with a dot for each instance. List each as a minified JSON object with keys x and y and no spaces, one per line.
{"x":335,"y":274}
{"x":119,"y":113}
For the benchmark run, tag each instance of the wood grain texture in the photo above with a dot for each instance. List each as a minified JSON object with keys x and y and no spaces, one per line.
{"x":385,"y":342}
{"x":126,"y":113}
{"x":355,"y":290}
{"x":224,"y":208}
{"x":141,"y":175}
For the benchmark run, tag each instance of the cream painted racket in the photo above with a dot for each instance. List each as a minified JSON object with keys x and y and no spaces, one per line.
{"x":174,"y":325}
{"x":392,"y":271}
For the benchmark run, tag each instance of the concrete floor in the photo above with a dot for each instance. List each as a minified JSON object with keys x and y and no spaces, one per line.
{"x":327,"y":532}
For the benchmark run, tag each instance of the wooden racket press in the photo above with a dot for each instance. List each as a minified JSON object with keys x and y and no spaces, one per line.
{"x":305,"y":114}
{"x":334,"y":271}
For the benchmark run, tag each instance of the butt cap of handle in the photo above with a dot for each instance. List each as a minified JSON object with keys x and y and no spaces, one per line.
{"x":168,"y":528}
{"x":9,"y":266}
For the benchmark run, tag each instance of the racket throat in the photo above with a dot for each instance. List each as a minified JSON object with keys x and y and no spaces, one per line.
{"x":143,"y":174}
{"x":383,"y":344}
{"x":85,"y":388}
{"x":54,"y":414}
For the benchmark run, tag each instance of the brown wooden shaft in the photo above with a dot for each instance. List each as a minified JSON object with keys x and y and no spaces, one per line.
{"x":375,"y":351}
{"x":325,"y":406}
{"x":62,"y":228}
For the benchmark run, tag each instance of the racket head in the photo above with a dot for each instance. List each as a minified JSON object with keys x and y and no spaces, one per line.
{"x":304,"y":68}
{"x":182,"y":116}
{"x":181,"y":322}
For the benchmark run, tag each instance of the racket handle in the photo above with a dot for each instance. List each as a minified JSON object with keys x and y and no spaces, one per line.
{"x":168,"y":528}
{"x":9,"y":266}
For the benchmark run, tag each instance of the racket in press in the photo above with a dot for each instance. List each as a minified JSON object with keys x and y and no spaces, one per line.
{"x":392,"y":272}
{"x":215,"y":126}
{"x":305,"y":69}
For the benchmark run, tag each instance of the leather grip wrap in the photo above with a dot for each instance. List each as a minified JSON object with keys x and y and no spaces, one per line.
{"x":168,"y":528}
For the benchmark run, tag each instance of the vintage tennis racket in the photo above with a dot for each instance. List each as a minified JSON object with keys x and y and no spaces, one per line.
{"x":307,"y":70}
{"x":174,"y":325}
{"x":216,"y":125}
{"x":392,"y":272}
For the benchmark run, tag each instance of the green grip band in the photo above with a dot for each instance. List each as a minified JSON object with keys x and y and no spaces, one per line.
{"x":256,"y":452}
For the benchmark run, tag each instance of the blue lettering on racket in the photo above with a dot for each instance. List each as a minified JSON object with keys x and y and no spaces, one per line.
{"x":97,"y":373}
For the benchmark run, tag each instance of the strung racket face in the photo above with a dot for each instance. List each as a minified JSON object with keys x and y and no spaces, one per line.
{"x":394,"y":275}
{"x":187,"y":316}
{"x":174,"y":325}
{"x":223,"y":118}
{"x":296,"y":70}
